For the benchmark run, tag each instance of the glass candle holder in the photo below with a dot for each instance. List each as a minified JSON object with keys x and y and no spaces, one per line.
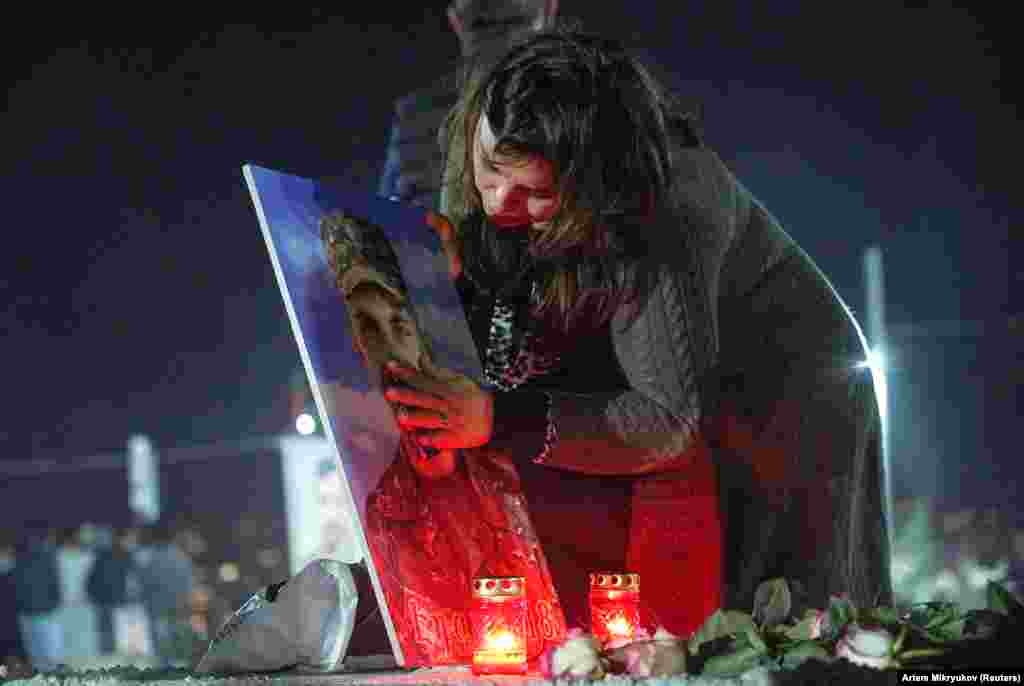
{"x":499,"y":625}
{"x":614,"y":606}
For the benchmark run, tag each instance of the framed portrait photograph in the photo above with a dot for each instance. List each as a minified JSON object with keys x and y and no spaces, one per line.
{"x":365,"y":280}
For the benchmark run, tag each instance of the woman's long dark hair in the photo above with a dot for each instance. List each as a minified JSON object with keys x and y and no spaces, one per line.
{"x":591,"y":109}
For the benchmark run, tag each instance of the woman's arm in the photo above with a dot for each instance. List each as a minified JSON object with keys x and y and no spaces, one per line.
{"x":647,"y":428}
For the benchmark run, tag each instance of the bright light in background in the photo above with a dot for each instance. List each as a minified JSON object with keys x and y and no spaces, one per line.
{"x":876,"y":363}
{"x":229,"y":572}
{"x":874,"y":302}
{"x":305,"y":424}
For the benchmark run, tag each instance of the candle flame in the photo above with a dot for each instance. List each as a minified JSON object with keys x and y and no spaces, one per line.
{"x":501,"y":639}
{"x":620,"y":626}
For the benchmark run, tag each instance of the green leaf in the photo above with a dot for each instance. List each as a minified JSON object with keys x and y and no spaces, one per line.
{"x":775,"y":638}
{"x":940,"y":616}
{"x":754,"y":640}
{"x":952,"y":630}
{"x":732,"y":663}
{"x":927,"y":614}
{"x":900,"y":639}
{"x":1001,"y":600}
{"x":943,"y":623}
{"x":885,"y":615}
{"x":802,"y":651}
{"x":840,"y":613}
{"x":721,"y":623}
{"x":801,"y":631}
{"x":772,"y":602}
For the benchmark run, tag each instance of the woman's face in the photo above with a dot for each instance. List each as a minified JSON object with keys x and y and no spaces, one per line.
{"x":514,"y":192}
{"x":383,"y":329}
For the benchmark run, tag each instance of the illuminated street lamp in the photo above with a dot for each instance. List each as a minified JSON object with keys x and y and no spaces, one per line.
{"x":144,"y":478}
{"x":305,"y":424}
{"x":876,"y":335}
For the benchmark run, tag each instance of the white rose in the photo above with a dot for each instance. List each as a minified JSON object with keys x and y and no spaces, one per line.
{"x":868,"y":647}
{"x":578,"y":657}
{"x":817,"y":626}
{"x":662,"y":655}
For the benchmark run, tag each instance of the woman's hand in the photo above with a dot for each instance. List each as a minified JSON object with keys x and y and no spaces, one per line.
{"x":446,"y":409}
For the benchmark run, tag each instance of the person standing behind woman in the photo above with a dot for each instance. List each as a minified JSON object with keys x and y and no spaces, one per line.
{"x":654,"y":343}
{"x":37,"y":597}
{"x":485,"y":29}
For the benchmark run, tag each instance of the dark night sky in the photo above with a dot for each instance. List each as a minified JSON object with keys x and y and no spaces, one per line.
{"x":136,"y":293}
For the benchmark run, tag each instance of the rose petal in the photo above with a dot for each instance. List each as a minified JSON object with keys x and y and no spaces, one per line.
{"x":876,"y":642}
{"x":868,"y":647}
{"x":640,"y":659}
{"x":818,"y":627}
{"x":616,"y":643}
{"x":663,"y":634}
{"x":578,"y":656}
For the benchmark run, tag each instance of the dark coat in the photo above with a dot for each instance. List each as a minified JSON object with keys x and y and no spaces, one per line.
{"x":167,"y":579}
{"x":107,"y":584}
{"x":36,"y":580}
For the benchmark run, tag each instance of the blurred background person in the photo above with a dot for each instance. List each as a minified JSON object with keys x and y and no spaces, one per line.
{"x":131,"y":625}
{"x":485,"y":30}
{"x":11,"y":648}
{"x":166,"y":580}
{"x":37,"y":597}
{"x":107,"y":586}
{"x":75,"y":557}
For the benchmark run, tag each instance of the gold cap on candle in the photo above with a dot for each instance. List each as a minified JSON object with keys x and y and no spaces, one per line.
{"x":615,"y":581}
{"x":499,"y":587}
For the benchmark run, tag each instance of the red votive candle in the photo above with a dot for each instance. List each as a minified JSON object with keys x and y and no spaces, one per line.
{"x":614,"y":606}
{"x":499,"y":625}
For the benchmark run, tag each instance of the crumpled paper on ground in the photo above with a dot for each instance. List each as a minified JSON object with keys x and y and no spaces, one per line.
{"x":305,"y":623}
